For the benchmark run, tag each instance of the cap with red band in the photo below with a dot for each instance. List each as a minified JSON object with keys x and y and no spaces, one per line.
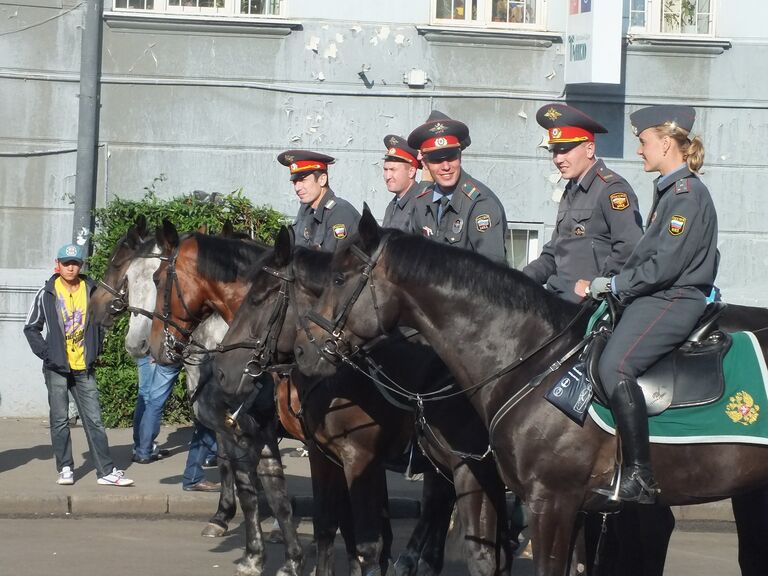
{"x":567,"y":126}
{"x":440,"y":136}
{"x":399,"y":151}
{"x":301,"y":162}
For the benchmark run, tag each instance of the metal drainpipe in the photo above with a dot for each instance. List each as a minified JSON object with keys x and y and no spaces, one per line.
{"x":88,"y":124}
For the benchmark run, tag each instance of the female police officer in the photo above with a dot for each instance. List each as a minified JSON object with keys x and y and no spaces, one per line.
{"x":664,"y":283}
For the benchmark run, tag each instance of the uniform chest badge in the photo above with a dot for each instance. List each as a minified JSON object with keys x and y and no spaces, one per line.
{"x":741,"y":409}
{"x":483,"y":222}
{"x":677,"y":225}
{"x":458,"y":224}
{"x":306,"y":233}
{"x":619,"y":200}
{"x":579,"y":230}
{"x":339,"y":231}
{"x":426,"y":231}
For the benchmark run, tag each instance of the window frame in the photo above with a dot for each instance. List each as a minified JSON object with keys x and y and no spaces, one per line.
{"x":484,"y":15}
{"x":231,"y":9}
{"x":531,"y":253}
{"x":654,"y":25}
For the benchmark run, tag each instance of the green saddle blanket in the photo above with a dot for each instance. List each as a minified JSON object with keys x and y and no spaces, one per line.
{"x":736,"y":417}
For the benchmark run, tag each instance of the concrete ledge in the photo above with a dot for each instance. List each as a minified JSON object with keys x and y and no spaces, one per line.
{"x":24,"y":505}
{"x":119,"y":502}
{"x":719,"y":511}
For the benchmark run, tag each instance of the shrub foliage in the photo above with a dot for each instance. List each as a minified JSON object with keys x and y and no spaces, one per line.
{"x":116,"y":371}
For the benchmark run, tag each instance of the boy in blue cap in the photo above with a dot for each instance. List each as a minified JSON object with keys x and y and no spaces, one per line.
{"x":69,"y":350}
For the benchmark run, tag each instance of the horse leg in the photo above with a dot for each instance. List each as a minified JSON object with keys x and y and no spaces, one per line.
{"x":552,"y":522}
{"x":482,"y":506}
{"x":329,"y":498}
{"x":270,"y":472}
{"x":219,"y":523}
{"x":751,"y":514}
{"x":366,"y":481}
{"x":252,"y":561}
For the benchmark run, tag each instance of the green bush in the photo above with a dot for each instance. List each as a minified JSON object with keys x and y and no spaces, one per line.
{"x":116,"y":370}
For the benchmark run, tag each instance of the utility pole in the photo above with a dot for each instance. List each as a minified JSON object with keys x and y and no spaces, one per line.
{"x":88,"y":124}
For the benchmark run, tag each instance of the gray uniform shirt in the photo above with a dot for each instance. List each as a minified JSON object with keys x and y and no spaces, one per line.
{"x":334,"y":221}
{"x":398,"y":212}
{"x":598,"y":226}
{"x":679,"y":247}
{"x":473,"y":219}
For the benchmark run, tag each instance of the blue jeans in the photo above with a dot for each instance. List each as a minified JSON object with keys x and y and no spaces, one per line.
{"x":82,"y":384}
{"x":201,"y":447}
{"x":155,"y":385}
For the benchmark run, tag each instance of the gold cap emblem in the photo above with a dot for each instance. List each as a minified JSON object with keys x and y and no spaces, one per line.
{"x":552,"y":114}
{"x":437,"y":128}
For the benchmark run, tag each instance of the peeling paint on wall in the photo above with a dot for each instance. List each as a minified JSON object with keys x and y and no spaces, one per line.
{"x":330,"y":52}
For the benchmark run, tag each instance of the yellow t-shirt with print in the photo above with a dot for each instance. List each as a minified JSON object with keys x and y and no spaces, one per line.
{"x":73,"y":307}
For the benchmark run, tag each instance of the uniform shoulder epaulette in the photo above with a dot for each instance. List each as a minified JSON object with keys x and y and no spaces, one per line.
{"x":470,"y":189}
{"x":330,"y":204}
{"x":606,"y":174}
{"x":682,"y":186}
{"x":427,"y":190}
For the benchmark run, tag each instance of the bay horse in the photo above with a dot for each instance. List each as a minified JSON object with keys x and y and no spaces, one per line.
{"x":344,"y":412}
{"x":497,"y":330}
{"x":193,"y":291}
{"x":131,"y":267}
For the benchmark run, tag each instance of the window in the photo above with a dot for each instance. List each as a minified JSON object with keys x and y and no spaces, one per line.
{"x":678,"y":17}
{"x":523,"y":245}
{"x":220,"y":7}
{"x":520,"y":13}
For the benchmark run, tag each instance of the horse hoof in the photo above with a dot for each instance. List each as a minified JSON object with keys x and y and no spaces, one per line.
{"x":249,"y":569}
{"x":291,"y":568}
{"x":212,"y":530}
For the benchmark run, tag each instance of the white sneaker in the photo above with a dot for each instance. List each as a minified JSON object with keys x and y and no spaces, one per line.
{"x":66,"y":476}
{"x":115,"y":478}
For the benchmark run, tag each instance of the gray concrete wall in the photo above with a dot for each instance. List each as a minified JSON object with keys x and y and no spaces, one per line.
{"x":211,"y":108}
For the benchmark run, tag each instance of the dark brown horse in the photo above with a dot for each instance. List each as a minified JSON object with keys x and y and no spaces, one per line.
{"x":497,"y":331}
{"x":346,"y":412}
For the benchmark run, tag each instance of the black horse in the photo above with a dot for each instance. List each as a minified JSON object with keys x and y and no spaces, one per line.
{"x":497,"y":331}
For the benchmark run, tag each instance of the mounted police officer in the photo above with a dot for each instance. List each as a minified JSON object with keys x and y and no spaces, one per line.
{"x":323,"y":220}
{"x":455,"y":208}
{"x":598,"y":222}
{"x":400,"y":166}
{"x":664,"y":283}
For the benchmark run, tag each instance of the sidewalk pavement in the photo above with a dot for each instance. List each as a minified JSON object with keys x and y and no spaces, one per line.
{"x":28,"y":479}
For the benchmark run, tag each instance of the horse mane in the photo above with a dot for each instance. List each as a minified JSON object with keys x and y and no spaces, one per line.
{"x":314,"y":267}
{"x":227,"y":259}
{"x":418,"y":261}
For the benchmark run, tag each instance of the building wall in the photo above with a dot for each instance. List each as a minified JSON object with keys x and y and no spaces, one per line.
{"x":211,"y":108}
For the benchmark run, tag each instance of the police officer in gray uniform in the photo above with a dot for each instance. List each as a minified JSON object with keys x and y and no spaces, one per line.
{"x":455,"y":208}
{"x":664,"y":284}
{"x":324,"y":220}
{"x":400,"y":166}
{"x":598,"y":222}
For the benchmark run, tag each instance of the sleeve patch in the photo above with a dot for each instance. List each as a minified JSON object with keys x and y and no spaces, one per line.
{"x":483,"y":222}
{"x":677,"y":225}
{"x":339,"y":231}
{"x":619,"y":200}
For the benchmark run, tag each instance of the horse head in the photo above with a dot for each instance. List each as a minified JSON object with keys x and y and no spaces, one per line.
{"x":358,"y":304}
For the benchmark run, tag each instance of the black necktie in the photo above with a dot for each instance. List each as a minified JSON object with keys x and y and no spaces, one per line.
{"x":442,"y":207}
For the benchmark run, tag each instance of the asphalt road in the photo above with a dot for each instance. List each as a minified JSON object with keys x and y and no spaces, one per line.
{"x":174,"y":547}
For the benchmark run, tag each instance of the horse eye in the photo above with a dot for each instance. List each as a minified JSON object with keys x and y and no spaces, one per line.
{"x":339,"y":279}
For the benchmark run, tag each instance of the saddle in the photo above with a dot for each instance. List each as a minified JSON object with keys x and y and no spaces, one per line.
{"x":690,"y":375}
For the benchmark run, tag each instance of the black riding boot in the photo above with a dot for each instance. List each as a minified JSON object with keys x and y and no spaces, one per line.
{"x":629,"y":411}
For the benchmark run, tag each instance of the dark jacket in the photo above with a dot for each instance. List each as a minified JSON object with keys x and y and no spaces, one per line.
{"x":679,"y":247}
{"x":52,"y":347}
{"x":399,"y":210}
{"x":598,"y":226}
{"x":334,"y":221}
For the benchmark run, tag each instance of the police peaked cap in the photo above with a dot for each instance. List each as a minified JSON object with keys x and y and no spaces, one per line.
{"x":303,"y":162}
{"x":567,"y":126}
{"x":439,"y":136}
{"x":399,"y":151}
{"x":682,"y":116}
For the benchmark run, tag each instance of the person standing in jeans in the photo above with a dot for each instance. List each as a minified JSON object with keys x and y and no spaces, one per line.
{"x":155,"y":385}
{"x":69,"y":350}
{"x":202,"y":452}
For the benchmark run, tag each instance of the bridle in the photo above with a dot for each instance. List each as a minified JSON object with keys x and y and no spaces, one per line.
{"x":336,"y":347}
{"x":173,"y":347}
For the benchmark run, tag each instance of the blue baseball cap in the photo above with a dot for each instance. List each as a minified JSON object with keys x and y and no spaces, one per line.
{"x":69,"y":253}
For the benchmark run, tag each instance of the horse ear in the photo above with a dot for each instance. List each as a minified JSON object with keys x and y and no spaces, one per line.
{"x":283,"y":246}
{"x":141,"y":225}
{"x":133,"y":237}
{"x":168,"y":236}
{"x":228,"y":231}
{"x":203,"y":228}
{"x":369,"y":230}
